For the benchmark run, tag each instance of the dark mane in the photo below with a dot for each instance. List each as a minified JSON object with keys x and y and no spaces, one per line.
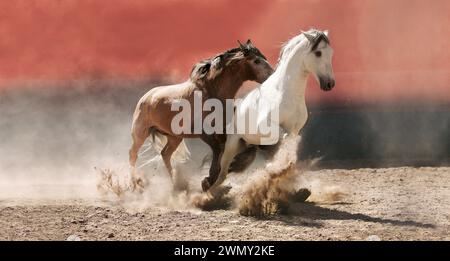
{"x":320,"y":36}
{"x":213,"y":67}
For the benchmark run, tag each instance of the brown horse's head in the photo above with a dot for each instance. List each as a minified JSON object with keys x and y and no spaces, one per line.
{"x":257,"y":67}
{"x":236,"y":65}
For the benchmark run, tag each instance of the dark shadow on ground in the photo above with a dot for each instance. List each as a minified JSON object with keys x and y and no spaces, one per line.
{"x":308,"y":214}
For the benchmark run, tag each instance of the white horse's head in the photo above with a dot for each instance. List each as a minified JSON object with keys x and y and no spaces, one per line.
{"x":317,"y":60}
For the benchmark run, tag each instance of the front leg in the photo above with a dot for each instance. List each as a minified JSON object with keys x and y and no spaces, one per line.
{"x":217,"y":144}
{"x":233,"y":146}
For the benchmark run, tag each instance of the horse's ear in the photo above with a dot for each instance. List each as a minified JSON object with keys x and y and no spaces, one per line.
{"x":241,"y":45}
{"x":249,"y":43}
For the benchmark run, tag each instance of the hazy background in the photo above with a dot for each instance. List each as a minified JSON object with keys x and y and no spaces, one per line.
{"x":71,"y":72}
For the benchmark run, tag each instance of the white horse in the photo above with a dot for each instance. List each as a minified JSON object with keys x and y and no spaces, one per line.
{"x":305,"y":54}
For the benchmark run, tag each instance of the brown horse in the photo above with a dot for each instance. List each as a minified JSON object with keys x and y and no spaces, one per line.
{"x":219,"y":77}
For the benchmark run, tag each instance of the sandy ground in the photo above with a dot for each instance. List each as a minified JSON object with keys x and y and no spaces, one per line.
{"x":393,"y":204}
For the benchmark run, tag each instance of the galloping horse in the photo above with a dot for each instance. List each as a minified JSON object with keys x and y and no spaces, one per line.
{"x":219,"y":77}
{"x":282,"y":93}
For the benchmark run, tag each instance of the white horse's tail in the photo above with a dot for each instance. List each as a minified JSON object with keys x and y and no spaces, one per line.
{"x":158,"y":141}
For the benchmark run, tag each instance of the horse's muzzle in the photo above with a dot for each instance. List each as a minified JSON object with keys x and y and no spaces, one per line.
{"x":326,"y":83}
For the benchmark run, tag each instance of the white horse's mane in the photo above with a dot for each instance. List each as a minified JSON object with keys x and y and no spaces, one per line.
{"x":289,"y":46}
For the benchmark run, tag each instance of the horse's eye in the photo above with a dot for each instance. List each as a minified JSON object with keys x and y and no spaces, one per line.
{"x":318,"y":53}
{"x":257,"y":61}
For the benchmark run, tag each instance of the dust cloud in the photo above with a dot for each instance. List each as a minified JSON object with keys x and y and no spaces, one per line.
{"x":52,"y":137}
{"x":265,"y":189}
{"x":276,"y":184}
{"x":281,"y":183}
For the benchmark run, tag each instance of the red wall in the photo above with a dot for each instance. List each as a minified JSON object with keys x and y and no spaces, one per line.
{"x":385,"y":50}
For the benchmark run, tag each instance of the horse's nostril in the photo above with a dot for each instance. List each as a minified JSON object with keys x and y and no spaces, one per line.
{"x":331,"y":84}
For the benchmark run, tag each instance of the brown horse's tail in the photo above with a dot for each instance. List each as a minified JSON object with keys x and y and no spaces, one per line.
{"x":153,"y":132}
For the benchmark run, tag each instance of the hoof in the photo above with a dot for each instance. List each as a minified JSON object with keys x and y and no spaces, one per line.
{"x":218,"y":192}
{"x":205,"y":185}
{"x":301,"y":195}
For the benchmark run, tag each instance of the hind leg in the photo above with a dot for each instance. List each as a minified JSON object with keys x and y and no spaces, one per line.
{"x":139,"y":134}
{"x":138,"y":141}
{"x":167,"y":151}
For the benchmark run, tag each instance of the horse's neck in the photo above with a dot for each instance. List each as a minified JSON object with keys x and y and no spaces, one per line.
{"x":226,"y":85}
{"x":292,"y":80}
{"x":290,"y":86}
